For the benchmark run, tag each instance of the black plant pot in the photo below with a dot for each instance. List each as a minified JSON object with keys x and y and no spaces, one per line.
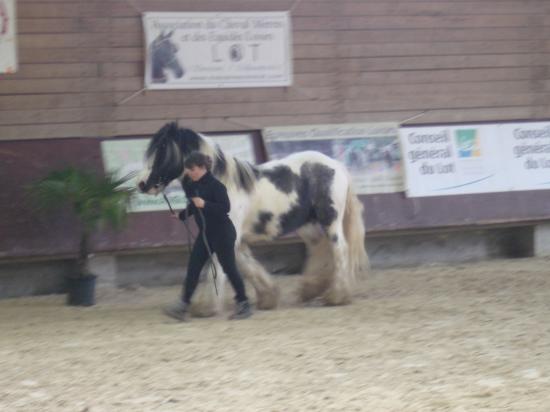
{"x":81,"y":291}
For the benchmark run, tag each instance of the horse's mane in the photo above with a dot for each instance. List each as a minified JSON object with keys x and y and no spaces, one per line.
{"x":186,"y":139}
{"x":179,"y":142}
{"x":233,"y":172}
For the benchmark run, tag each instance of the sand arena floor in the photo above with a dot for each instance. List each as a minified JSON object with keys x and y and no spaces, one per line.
{"x":472,"y":337}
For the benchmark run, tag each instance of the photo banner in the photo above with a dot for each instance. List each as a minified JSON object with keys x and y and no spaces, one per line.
{"x":125,"y":156}
{"x":370,"y":151}
{"x":217,"y":50}
{"x":8,"y":46}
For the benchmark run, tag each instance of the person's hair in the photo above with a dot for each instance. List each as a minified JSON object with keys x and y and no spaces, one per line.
{"x":198,"y":159}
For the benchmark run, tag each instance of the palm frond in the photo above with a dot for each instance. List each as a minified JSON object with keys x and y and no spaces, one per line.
{"x":95,"y":199}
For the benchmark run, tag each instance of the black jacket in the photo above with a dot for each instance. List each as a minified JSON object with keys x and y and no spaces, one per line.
{"x":216,"y":206}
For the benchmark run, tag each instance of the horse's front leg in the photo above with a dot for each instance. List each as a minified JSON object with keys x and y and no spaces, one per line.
{"x":267,"y":293}
{"x":209,"y":296}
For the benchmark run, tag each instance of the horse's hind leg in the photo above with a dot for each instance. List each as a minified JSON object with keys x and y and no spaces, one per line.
{"x":339,"y":290}
{"x":319,"y":264}
{"x":267,"y":293}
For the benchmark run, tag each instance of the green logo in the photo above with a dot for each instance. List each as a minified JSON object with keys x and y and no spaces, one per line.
{"x":467,"y":142}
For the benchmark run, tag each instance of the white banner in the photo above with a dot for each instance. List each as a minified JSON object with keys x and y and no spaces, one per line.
{"x":8,"y":47}
{"x":451,"y":160}
{"x":125,"y":156}
{"x":526,"y":154}
{"x":370,"y":151}
{"x":214,"y":50}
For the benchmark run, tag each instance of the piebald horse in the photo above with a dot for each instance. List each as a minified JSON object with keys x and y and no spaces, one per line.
{"x":307,"y":193}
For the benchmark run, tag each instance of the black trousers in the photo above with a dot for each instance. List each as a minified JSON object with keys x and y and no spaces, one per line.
{"x":224,"y":248}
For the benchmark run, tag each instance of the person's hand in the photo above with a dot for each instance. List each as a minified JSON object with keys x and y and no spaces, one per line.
{"x":174,"y":215}
{"x":198,"y":201}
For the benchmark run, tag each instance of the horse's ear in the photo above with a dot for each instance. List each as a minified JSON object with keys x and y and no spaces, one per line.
{"x":169,"y":34}
{"x":162,"y":35}
{"x":174,"y":128}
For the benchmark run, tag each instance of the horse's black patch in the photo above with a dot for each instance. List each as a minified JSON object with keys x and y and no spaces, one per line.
{"x":220,"y":165}
{"x":321,"y":178}
{"x":282,"y":178}
{"x":245,"y":177}
{"x":188,"y":140}
{"x":295,"y":218}
{"x":302,"y":211}
{"x":314,"y":203}
{"x":263,"y":219}
{"x":256,"y":171}
{"x":334,"y":238}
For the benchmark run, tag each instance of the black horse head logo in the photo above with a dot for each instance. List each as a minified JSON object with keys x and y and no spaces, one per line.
{"x":4,"y":18}
{"x":236,"y":52}
{"x":164,"y":57}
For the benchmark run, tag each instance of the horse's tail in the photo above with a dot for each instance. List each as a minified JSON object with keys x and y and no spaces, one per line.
{"x":354,"y":230}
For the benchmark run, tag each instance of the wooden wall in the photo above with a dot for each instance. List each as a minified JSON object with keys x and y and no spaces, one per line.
{"x":370,"y":60}
{"x":354,"y":61}
{"x":25,"y":233}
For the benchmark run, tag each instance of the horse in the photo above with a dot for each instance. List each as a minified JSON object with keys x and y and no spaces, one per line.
{"x":164,"y":57}
{"x":307,"y":193}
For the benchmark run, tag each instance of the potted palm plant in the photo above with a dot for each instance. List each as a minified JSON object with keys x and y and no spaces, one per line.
{"x":96,"y":200}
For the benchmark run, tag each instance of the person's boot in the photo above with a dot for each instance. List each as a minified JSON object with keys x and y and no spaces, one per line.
{"x":177,"y":311}
{"x":242,"y":311}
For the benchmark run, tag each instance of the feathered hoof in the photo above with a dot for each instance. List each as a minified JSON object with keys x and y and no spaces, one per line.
{"x":268,"y":299}
{"x":337,"y":297}
{"x":203,"y":310}
{"x":310,"y":290}
{"x":205,"y":303}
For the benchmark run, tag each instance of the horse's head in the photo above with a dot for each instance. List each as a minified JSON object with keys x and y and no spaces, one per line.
{"x":164,"y":56}
{"x":165,"y":157}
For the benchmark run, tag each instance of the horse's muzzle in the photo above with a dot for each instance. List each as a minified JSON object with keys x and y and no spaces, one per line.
{"x":145,"y":187}
{"x":141,"y":186}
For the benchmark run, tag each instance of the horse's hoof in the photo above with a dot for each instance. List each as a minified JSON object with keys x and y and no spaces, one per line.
{"x":311,"y":290}
{"x":202,"y":311}
{"x":336,"y":297}
{"x":307,"y":294}
{"x":268,"y":300}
